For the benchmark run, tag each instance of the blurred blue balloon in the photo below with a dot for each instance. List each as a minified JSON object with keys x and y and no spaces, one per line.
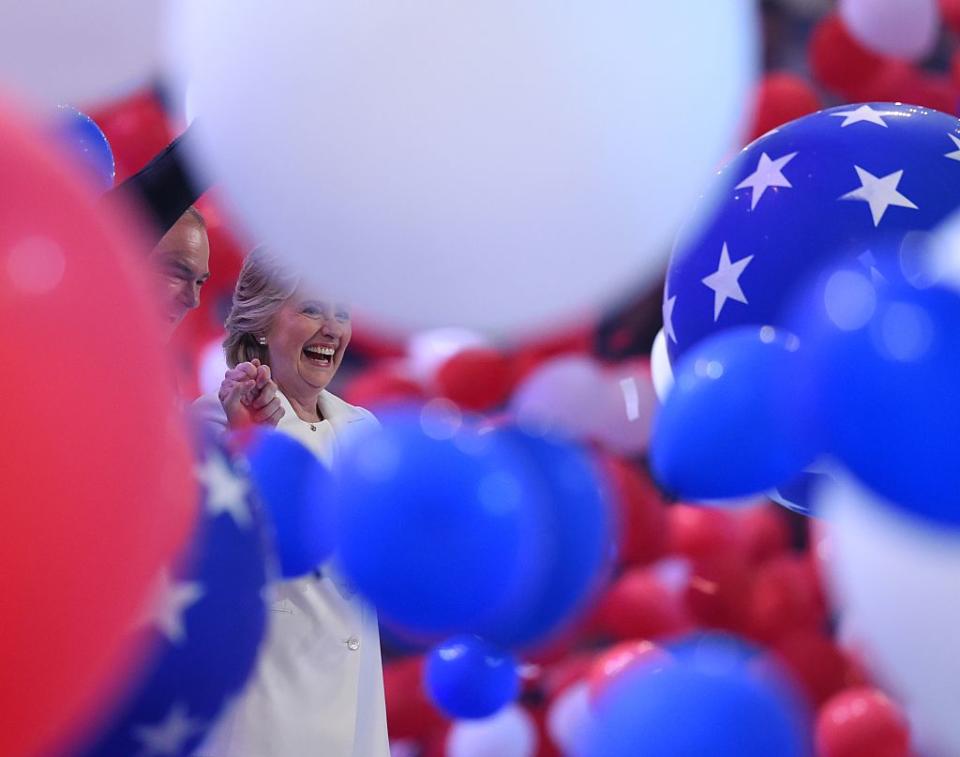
{"x":468,"y":677}
{"x":838,"y":183}
{"x":437,"y":527}
{"x":716,"y":698}
{"x":291,"y":483}
{"x":575,"y":527}
{"x":729,"y":427}
{"x":203,"y":624}
{"x":884,"y":358}
{"x":83,"y":139}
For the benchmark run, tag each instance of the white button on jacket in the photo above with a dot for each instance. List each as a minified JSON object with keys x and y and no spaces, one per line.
{"x":317,"y":689}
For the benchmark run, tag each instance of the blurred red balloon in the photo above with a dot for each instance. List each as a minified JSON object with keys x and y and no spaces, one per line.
{"x":609,"y":664}
{"x":718,"y":590}
{"x":381,"y":386}
{"x":950,"y":12}
{"x":694,"y":531}
{"x":861,"y":722}
{"x":764,"y":531}
{"x":476,"y":379}
{"x":97,"y":486}
{"x":639,"y":606}
{"x":837,"y":60}
{"x":785,"y":596}
{"x":818,"y":664}
{"x":642,"y":532}
{"x":410,"y":713}
{"x":137,"y":129}
{"x":898,"y":81}
{"x":780,"y":98}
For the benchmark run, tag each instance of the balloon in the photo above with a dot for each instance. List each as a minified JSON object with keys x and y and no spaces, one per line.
{"x":641,"y":522}
{"x":205,"y":621}
{"x":87,"y":144}
{"x":892,"y":575}
{"x":511,"y":170}
{"x":381,"y":386}
{"x":881,"y":361}
{"x":785,"y":596}
{"x":899,"y":28}
{"x":782,"y":97}
{"x":862,"y":721}
{"x":660,"y":369}
{"x":838,"y":61}
{"x":618,"y":661}
{"x":428,"y":350}
{"x":557,"y":398}
{"x":639,"y":606}
{"x":509,"y":733}
{"x":136,"y":128}
{"x":290,"y":480}
{"x":729,"y":426}
{"x":96,"y":471}
{"x":712,"y":699}
{"x":476,"y":379}
{"x":410,"y":713}
{"x":569,"y":717}
{"x":82,"y":52}
{"x":467,"y":677}
{"x":623,"y":412}
{"x":835,"y":185}
{"x":438,"y":530}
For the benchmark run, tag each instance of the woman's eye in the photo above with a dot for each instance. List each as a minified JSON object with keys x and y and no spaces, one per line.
{"x":342,"y":316}
{"x":313,"y":312}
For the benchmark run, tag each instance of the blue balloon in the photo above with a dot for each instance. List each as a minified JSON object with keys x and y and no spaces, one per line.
{"x":468,"y":677}
{"x":715,"y":698}
{"x":81,"y":136}
{"x":291,"y":483}
{"x":203,"y":625}
{"x":729,"y":427}
{"x":575,"y":526}
{"x":884,"y":358}
{"x":439,"y":531}
{"x":835,"y":184}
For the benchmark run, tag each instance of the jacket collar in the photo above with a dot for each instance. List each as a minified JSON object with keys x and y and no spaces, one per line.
{"x":331,"y":407}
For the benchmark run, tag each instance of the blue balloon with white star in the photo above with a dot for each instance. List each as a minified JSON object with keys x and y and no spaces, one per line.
{"x":843,"y":182}
{"x":202,"y":626}
{"x":87,"y":143}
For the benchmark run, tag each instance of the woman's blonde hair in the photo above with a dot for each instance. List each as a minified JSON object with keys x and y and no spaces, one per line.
{"x":262,"y":288}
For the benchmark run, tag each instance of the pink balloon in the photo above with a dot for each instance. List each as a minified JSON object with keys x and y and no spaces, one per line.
{"x":624,"y":410}
{"x":898,"y":28}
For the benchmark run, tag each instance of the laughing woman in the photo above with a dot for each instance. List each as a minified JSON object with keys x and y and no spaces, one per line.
{"x":317,"y":690}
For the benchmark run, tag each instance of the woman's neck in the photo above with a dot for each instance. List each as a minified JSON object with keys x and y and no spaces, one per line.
{"x":305,"y":407}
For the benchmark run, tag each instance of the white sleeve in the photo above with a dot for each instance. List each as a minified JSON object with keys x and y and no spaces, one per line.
{"x":208,"y":411}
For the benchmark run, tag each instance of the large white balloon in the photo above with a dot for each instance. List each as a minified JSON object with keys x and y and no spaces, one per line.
{"x":499,"y":165}
{"x":80,"y":52}
{"x":901,"y":28}
{"x":509,"y":733}
{"x":896,"y":579}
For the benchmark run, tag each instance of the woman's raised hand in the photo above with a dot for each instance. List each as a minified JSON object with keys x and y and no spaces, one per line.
{"x":249,"y":395}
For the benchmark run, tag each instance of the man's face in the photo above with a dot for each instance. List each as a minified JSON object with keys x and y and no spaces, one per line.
{"x":181,"y":261}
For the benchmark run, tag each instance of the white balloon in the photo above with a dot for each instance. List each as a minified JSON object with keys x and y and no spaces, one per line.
{"x":624,"y":410}
{"x":80,"y":52}
{"x":570,"y":717}
{"x":660,"y":367}
{"x":895,"y":577}
{"x":499,"y":165}
{"x":558,"y":398}
{"x":509,"y":733}
{"x":900,"y":28}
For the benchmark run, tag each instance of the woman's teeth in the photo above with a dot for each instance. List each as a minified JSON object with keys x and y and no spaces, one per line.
{"x":323,"y":355}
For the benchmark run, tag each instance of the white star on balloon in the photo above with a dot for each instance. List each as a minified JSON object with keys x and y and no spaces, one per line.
{"x":879,"y":192}
{"x":863,"y":114}
{"x":955,"y":155}
{"x":725,"y":281}
{"x":169,"y":602}
{"x":668,"y":307}
{"x":167,"y":738}
{"x":226,"y":492}
{"x":769,"y":173}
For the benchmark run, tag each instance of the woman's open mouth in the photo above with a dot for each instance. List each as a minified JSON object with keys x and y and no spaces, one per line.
{"x":319,"y":355}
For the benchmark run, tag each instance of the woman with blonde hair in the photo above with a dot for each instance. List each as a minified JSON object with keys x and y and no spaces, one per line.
{"x":317,"y":690}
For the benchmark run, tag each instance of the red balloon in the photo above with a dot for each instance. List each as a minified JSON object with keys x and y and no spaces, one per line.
{"x":861,"y":722}
{"x":137,"y":129}
{"x":718,"y":590}
{"x":96,"y":475}
{"x":639,"y":606}
{"x":764,"y":532}
{"x":818,"y":664}
{"x":837,"y":60}
{"x":476,"y":379}
{"x":381,"y":386}
{"x":782,"y":97}
{"x":610,"y":664}
{"x":410,"y":713}
{"x":785,"y":596}
{"x":696,"y":532}
{"x":950,"y":11}
{"x":642,"y":532}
